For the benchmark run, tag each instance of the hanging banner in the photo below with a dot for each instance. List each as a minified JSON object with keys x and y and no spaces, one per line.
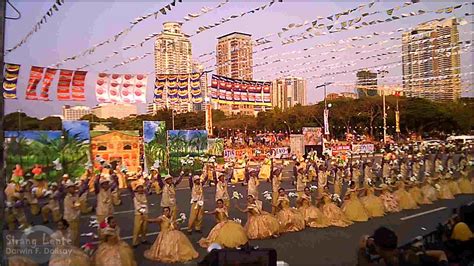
{"x":47,"y":80}
{"x":10,"y":79}
{"x":36,"y":74}
{"x":363,"y":148}
{"x":172,"y":88}
{"x":140,"y":88}
{"x":160,"y":83}
{"x":326,"y":121}
{"x":209,"y":119}
{"x":102,"y":88}
{"x":397,"y":121}
{"x":236,"y":91}
{"x":127,"y":88}
{"x":183,"y":92}
{"x":64,"y":85}
{"x":114,"y":88}
{"x":78,"y":80}
{"x":312,"y":136}
{"x":195,"y":87}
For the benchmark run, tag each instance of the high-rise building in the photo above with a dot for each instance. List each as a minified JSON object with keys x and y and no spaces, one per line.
{"x":289,"y":91}
{"x":173,"y":56}
{"x":75,"y":112}
{"x":366,"y":83}
{"x":108,"y":110}
{"x":234,"y":56}
{"x":431,"y":61}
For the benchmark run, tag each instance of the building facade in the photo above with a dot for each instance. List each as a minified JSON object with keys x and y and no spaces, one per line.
{"x":117,"y":147}
{"x":108,"y":110}
{"x":75,"y":112}
{"x":234,"y":56}
{"x":289,"y":91}
{"x":431,"y":61}
{"x":366,"y":83}
{"x":173,"y":56}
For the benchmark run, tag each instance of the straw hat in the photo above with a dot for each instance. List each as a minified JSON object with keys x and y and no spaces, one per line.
{"x":196,"y":177}
{"x":166,"y":177}
{"x":69,"y":183}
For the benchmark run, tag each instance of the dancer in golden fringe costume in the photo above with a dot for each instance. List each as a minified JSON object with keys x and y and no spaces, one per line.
{"x":275,"y":178}
{"x":253,"y":184}
{"x":260,"y":224}
{"x":405,"y":200}
{"x":112,"y":250}
{"x":171,"y":245}
{"x":429,"y":192}
{"x":322,"y":180}
{"x":333,"y":213}
{"x":313,"y":216}
{"x":65,"y":254}
{"x":390,"y":201}
{"x":352,"y":206}
{"x":417,"y":194}
{"x":290,"y":219}
{"x":372,"y":204}
{"x":444,"y":192}
{"x":453,"y":185}
{"x":464,"y":184}
{"x":222,"y":191}
{"x":226,"y":233}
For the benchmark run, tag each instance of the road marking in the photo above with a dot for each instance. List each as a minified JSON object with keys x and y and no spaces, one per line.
{"x":130,"y":237}
{"x":422,"y":213}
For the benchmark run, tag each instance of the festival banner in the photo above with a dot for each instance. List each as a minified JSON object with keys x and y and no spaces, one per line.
{"x":10,"y":79}
{"x":363,"y":148}
{"x":102,"y":88}
{"x":76,"y":154}
{"x":215,"y":147}
{"x":280,"y":152}
{"x":31,"y":148}
{"x":141,"y":81}
{"x":127,"y":89}
{"x":185,"y":146}
{"x":397,"y":121}
{"x":77,"y":90}
{"x":64,"y":85}
{"x":154,"y":145}
{"x":47,"y":80}
{"x":119,"y":148}
{"x":340,"y":149}
{"x":326,"y":121}
{"x":183,"y":89}
{"x":236,"y":91}
{"x":160,"y":83}
{"x":36,"y":74}
{"x":229,"y":155}
{"x":114,"y":88}
{"x":195,"y":87}
{"x":297,"y":144}
{"x":172,"y":88}
{"x":312,"y":136}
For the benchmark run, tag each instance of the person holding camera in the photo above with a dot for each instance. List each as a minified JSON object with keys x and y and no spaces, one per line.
{"x":382,"y":249}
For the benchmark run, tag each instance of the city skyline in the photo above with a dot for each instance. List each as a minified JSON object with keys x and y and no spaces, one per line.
{"x":93,"y":22}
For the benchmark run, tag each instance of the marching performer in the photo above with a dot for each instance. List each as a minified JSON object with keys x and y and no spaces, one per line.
{"x":197,"y":205}
{"x":352,"y":207}
{"x":30,"y":197}
{"x":253,"y":183}
{"x":291,"y":220}
{"x":105,"y":206}
{"x":313,"y":216}
{"x":276,"y":181}
{"x":260,"y":224}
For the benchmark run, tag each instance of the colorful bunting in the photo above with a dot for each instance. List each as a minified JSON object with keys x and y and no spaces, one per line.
{"x":36,"y":74}
{"x":141,"y":81}
{"x":235,"y":91}
{"x":10,"y":79}
{"x":102,"y":88}
{"x":160,"y":82}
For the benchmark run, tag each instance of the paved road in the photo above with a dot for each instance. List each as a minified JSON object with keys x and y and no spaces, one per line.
{"x":328,"y":246}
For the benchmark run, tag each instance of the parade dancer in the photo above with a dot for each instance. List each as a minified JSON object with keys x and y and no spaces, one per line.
{"x":275,"y":178}
{"x":197,"y":205}
{"x":140,"y":222}
{"x":253,"y":183}
{"x":221,"y":190}
{"x":168,"y":195}
{"x":105,"y":206}
{"x":53,"y":204}
{"x":72,"y":211}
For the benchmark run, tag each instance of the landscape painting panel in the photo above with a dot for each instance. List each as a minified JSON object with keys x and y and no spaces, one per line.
{"x":75,"y":158}
{"x":186,"y":146}
{"x":154,"y":141}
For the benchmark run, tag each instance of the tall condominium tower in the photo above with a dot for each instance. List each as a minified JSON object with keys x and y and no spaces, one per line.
{"x":234,"y":56}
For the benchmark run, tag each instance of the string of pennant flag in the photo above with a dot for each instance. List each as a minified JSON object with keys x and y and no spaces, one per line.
{"x":51,"y":11}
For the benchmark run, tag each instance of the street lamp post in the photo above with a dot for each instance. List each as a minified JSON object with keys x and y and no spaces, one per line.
{"x":173,"y":112}
{"x":288,"y":126}
{"x":326,"y":110}
{"x":382,"y":73}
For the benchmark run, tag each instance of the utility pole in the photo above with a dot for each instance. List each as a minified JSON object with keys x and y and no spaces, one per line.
{"x":3,"y":15}
{"x":326,"y":110}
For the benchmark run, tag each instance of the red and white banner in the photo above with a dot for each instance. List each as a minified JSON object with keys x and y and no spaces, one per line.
{"x":36,"y":74}
{"x":127,"y":89}
{"x":114,"y":88}
{"x":102,"y":88}
{"x":140,"y":88}
{"x":78,"y":82}
{"x":64,"y":85}
{"x":47,"y":80}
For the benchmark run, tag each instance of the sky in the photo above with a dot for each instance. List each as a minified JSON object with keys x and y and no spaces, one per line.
{"x":79,"y":25}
